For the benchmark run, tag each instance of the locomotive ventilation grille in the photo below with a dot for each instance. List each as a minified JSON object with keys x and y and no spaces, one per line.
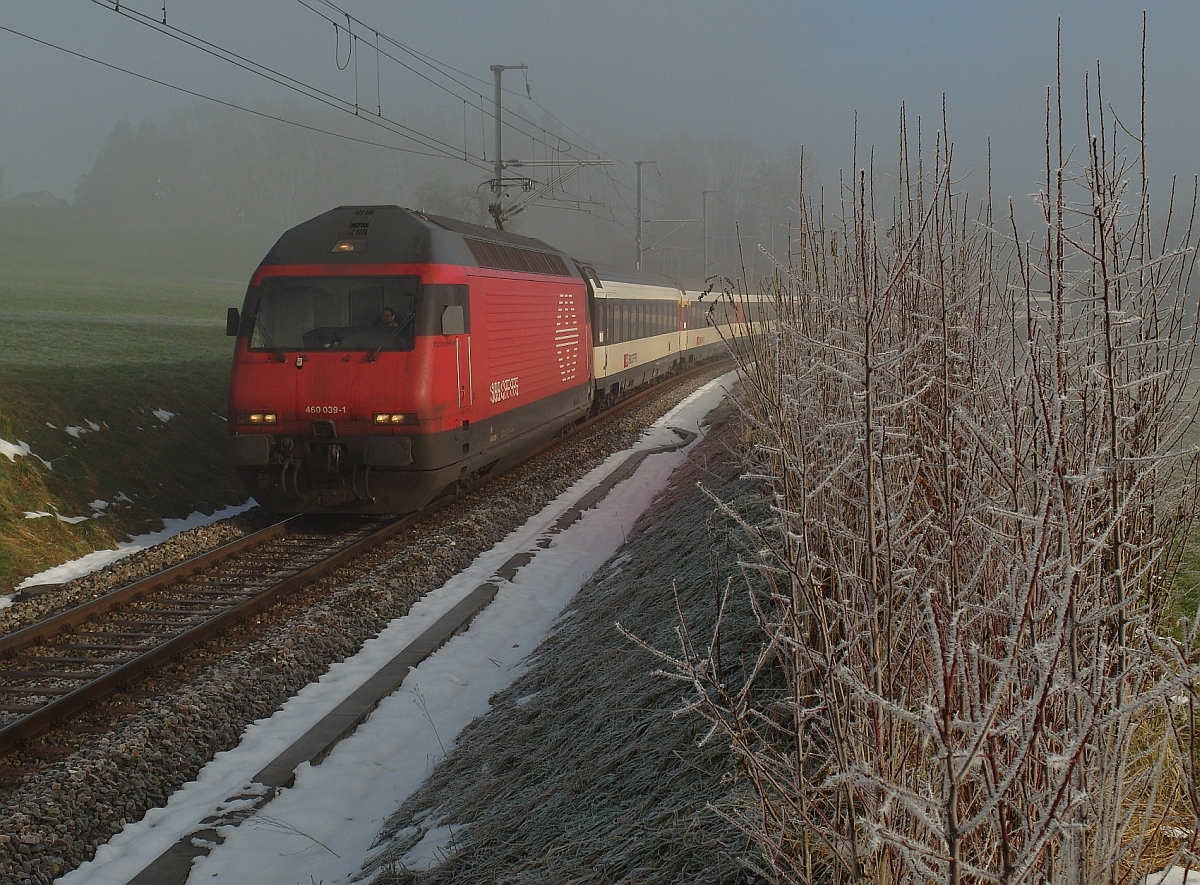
{"x":502,"y":256}
{"x":566,"y":338}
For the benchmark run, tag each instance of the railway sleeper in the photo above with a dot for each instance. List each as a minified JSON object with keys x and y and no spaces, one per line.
{"x":182,"y":678}
{"x":280,"y":561}
{"x":231,"y":582}
{"x":217,"y":581}
{"x":78,"y":728}
{"x":74,"y":675}
{"x":180,"y":623}
{"x":195,"y":602}
{"x":185,"y":612}
{"x":240,"y":590}
{"x":226,"y":579}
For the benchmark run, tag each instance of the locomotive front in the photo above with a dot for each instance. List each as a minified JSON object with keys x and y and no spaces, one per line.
{"x":347,"y":334}
{"x":358,"y":385}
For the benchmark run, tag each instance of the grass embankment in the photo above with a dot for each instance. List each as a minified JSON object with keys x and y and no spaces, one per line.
{"x":101,"y":344}
{"x":580,"y":772}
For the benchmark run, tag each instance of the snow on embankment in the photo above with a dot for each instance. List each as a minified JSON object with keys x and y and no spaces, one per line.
{"x":345,"y":800}
{"x":580,"y":772}
{"x":85,"y":565}
{"x":20,"y":450}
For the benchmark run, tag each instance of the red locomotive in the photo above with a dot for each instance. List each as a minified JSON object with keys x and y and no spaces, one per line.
{"x":384,"y":355}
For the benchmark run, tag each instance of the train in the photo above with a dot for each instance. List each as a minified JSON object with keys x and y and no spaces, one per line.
{"x":385,"y":356}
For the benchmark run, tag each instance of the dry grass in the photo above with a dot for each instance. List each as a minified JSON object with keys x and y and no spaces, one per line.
{"x":580,"y":773}
{"x":100,"y":349}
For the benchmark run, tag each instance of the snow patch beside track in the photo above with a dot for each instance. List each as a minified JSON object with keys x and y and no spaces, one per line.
{"x":324,"y":825}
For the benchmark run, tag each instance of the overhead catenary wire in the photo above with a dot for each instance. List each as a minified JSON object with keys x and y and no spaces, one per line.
{"x":433,"y":147}
{"x":224,"y":103}
{"x":278,"y":77}
{"x":428,"y":61}
{"x":434,"y":144}
{"x":443,"y":69}
{"x":305,"y":88}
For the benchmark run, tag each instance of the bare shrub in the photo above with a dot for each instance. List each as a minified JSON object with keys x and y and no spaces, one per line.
{"x":976,"y":450}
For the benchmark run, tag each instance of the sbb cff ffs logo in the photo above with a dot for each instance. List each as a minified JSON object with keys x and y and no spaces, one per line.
{"x":506,"y":389}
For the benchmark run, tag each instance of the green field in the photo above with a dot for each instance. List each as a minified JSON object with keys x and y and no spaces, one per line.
{"x":105,"y":325}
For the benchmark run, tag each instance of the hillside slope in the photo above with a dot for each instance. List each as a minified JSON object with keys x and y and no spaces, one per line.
{"x":112,"y":387}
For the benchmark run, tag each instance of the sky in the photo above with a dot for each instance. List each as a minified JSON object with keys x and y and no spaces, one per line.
{"x":622,"y":73}
{"x":344,"y":802}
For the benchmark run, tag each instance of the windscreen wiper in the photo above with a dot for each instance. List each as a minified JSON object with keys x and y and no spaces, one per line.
{"x":259,"y":327}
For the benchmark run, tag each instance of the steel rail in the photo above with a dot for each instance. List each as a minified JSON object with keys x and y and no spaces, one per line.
{"x":71,"y":702}
{"x":47,"y":717}
{"x":80,"y":614}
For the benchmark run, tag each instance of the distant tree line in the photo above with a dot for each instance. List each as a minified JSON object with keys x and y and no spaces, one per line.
{"x":216,"y":165}
{"x":205,"y":165}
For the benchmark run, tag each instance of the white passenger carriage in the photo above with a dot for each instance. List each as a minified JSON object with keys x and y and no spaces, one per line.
{"x":636,"y":328}
{"x":712,"y":320}
{"x":645,"y":326}
{"x":702,"y":324}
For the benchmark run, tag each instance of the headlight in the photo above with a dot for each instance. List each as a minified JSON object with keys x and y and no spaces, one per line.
{"x":257,"y":418}
{"x":395,"y":418}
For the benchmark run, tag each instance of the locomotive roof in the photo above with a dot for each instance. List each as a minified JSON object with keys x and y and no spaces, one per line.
{"x":394,"y":235}
{"x":486,"y":233}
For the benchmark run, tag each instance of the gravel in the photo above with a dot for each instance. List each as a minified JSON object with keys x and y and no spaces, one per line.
{"x":180,"y":548}
{"x":53,"y":818}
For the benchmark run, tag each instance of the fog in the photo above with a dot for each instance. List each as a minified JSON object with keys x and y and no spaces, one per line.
{"x":720,"y":96}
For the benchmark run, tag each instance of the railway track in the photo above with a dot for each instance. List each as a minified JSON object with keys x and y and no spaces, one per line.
{"x":61,"y":667}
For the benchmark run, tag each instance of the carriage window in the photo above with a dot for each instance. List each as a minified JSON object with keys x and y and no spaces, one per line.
{"x":629,"y":319}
